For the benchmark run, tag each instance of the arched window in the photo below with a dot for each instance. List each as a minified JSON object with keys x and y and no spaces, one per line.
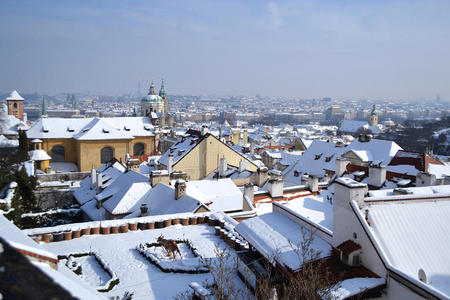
{"x":138,"y":149}
{"x":15,"y":105}
{"x":106,"y":154}
{"x":58,"y":154}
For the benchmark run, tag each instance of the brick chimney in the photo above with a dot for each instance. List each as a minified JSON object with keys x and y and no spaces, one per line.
{"x":180,"y":188}
{"x":158,"y":176}
{"x":261,"y":176}
{"x":425,"y":179}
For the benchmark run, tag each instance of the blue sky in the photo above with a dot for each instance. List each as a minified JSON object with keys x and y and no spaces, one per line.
{"x":342,"y":49}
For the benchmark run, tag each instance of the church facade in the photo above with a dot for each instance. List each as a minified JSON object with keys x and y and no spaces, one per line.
{"x":155,"y":106}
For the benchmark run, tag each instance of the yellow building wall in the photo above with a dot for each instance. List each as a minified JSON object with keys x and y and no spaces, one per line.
{"x":148,"y":141}
{"x":205,"y":157}
{"x":70,"y":150}
{"x":89,"y":152}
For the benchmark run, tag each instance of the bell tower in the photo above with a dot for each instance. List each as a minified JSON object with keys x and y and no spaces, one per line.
{"x":373,"y":120}
{"x":15,"y":105}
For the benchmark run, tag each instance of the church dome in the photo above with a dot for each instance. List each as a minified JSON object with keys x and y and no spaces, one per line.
{"x":152,"y":99}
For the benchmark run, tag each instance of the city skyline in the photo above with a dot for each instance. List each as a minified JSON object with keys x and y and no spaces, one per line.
{"x":384,"y":50}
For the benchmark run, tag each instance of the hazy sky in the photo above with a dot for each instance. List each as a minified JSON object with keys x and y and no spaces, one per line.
{"x":350,"y":49}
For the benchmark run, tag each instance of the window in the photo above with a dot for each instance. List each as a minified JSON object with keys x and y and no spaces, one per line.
{"x":58,"y":154}
{"x":356,"y":260}
{"x":106,"y":155}
{"x":15,"y":105}
{"x":138,"y":149}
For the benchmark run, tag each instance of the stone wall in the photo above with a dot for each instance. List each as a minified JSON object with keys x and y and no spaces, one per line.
{"x":54,"y":199}
{"x":62,"y":176}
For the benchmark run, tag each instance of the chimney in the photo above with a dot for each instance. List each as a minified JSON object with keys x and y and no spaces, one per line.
{"x":313,"y":183}
{"x":204,"y":129}
{"x":341,"y":166}
{"x":180,"y":188}
{"x":158,"y":176}
{"x":377,"y":175}
{"x":99,"y":181}
{"x":304,"y":179}
{"x":93,"y":178}
{"x":243,"y":165}
{"x":222,"y":167}
{"x":144,"y":210}
{"x":170,"y":163}
{"x":275,"y":188}
{"x":252,"y":148}
{"x":261,"y":176}
{"x":345,"y":191}
{"x":249,"y":191}
{"x":425,"y":179}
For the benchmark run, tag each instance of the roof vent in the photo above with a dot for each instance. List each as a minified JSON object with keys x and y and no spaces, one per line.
{"x":44,"y":128}
{"x":147,"y":127}
{"x":105,"y":130}
{"x":126,"y":128}
{"x":70,"y":128}
{"x":402,"y":191}
{"x":422,"y":276}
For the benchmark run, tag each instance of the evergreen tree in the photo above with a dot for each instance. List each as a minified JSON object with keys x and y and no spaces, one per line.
{"x":23,"y":146}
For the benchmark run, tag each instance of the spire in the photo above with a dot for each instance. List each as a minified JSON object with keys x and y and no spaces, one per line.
{"x":152,"y":90}
{"x":162,"y":91}
{"x":44,"y":106}
{"x":374,"y":112}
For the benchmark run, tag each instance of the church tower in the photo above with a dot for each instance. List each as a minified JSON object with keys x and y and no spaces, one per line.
{"x":373,"y":120}
{"x":15,"y":105}
{"x":152,"y":90}
{"x":162,"y":94}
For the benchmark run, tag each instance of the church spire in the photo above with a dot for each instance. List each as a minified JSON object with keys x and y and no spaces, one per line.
{"x":162,"y":90}
{"x":44,"y":106}
{"x":152,"y":90}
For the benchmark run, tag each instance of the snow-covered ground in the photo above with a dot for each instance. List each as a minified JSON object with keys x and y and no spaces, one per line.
{"x":135,"y":272}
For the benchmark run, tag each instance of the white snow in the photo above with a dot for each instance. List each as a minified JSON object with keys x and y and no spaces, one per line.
{"x":63,"y":167}
{"x":278,"y":238}
{"x":354,"y":286}
{"x":14,"y":96}
{"x":415,"y":235}
{"x":39,"y":155}
{"x":135,"y":273}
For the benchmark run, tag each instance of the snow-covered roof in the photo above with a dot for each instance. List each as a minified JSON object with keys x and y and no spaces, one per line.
{"x":39,"y":155}
{"x":223,"y":194}
{"x":109,"y":171}
{"x":278,"y":238}
{"x":7,"y":143}
{"x":380,"y":150}
{"x":14,"y":96}
{"x":91,"y":128}
{"x":355,"y":286}
{"x":415,"y":235}
{"x":17,"y":239}
{"x":353,"y":126}
{"x":160,"y":200}
{"x":122,"y":196}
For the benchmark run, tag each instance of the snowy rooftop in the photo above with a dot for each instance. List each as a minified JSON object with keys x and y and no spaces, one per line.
{"x":278,"y":238}
{"x":415,"y":235}
{"x":91,"y":128}
{"x":14,"y":96}
{"x":39,"y":155}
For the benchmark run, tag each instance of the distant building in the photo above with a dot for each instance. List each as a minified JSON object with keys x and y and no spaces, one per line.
{"x":15,"y":105}
{"x":373,"y":120}
{"x":156,"y":107}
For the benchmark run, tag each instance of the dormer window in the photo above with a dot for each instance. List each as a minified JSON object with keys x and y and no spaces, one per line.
{"x":70,"y":128}
{"x":350,"y":253}
{"x":180,"y":152}
{"x":296,"y":173}
{"x":328,"y":158}
{"x":44,"y":128}
{"x":105,"y":130}
{"x":317,"y":157}
{"x":126,"y":128}
{"x":86,"y":129}
{"x":147,"y":127}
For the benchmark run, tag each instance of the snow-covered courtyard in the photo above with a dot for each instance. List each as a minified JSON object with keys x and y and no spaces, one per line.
{"x":137,"y":274}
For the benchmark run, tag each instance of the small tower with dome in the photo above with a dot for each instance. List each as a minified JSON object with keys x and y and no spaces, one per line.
{"x":152,"y":103}
{"x":15,"y":105}
{"x":373,"y":119}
